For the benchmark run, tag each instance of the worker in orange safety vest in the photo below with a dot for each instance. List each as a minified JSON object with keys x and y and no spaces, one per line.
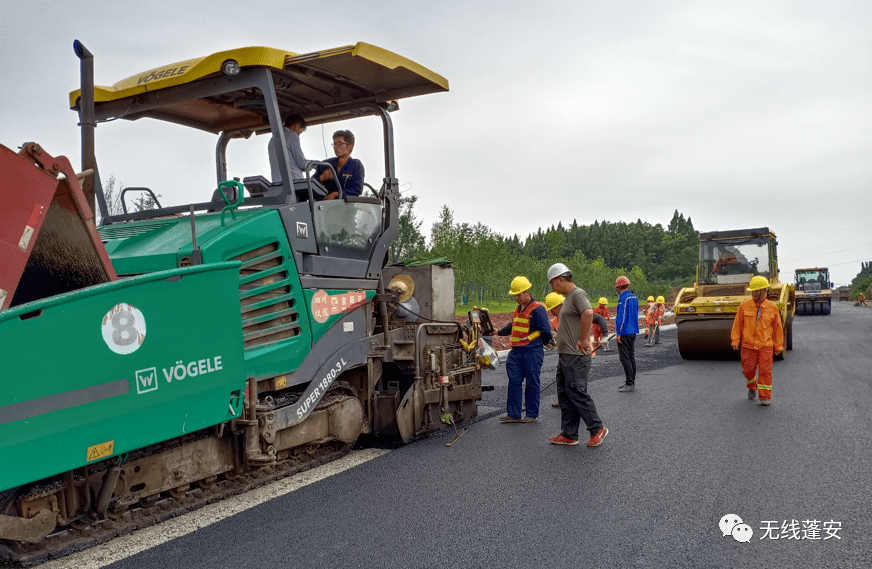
{"x":603,"y":310}
{"x":758,"y":333}
{"x":528,"y":332}
{"x":862,"y":300}
{"x":647,"y":310}
{"x":553,"y":301}
{"x":654,"y":319}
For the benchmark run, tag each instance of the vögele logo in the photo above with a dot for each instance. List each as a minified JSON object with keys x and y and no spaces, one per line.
{"x":146,"y":380}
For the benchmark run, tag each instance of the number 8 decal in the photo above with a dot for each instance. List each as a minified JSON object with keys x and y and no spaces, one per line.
{"x":123,"y":328}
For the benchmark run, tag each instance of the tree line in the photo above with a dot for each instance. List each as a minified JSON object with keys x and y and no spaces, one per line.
{"x":485,"y":262}
{"x":862,"y":283}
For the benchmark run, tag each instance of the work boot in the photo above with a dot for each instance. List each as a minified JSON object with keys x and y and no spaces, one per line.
{"x":752,"y":393}
{"x":528,"y":419}
{"x":626,"y":388}
{"x":510,"y":419}
{"x":556,"y":404}
{"x":764,"y":402}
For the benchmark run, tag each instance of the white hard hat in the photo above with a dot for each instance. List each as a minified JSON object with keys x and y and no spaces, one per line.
{"x":557,"y":270}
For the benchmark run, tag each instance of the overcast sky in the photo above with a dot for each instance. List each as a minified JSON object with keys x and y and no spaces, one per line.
{"x":737,"y":113}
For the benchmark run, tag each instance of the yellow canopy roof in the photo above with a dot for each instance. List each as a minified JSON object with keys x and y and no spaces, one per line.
{"x":322,"y":86}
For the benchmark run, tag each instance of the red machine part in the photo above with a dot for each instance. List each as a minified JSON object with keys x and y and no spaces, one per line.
{"x":48,"y":240}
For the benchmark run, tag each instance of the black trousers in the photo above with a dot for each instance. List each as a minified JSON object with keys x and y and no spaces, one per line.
{"x":627,"y":354}
{"x":575,"y":402}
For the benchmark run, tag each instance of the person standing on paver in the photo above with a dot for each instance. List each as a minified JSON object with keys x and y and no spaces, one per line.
{"x":573,"y":364}
{"x":529,"y":331}
{"x":626,"y":328}
{"x":757,"y":329}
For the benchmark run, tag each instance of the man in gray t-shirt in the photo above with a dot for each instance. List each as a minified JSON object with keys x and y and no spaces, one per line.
{"x":294,"y":127}
{"x":569,"y":322}
{"x":573,"y":363}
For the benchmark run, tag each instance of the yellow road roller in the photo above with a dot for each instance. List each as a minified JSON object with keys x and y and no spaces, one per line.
{"x":704,"y":313}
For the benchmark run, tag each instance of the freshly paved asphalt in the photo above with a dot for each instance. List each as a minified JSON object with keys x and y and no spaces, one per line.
{"x":685,"y":449}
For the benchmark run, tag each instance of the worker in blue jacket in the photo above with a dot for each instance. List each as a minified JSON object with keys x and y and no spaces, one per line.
{"x":626,"y":328}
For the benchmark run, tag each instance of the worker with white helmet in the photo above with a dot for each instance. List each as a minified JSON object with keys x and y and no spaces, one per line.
{"x":626,"y":329}
{"x":529,"y":331}
{"x":654,"y":320}
{"x":573,"y":363}
{"x":757,"y":332}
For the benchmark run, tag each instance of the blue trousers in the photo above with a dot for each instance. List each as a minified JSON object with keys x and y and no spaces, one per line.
{"x":524,"y":363}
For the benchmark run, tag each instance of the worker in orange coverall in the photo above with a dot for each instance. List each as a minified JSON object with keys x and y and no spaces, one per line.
{"x":603,"y":310}
{"x":648,"y":311}
{"x":862,"y":300}
{"x":757,"y":329}
{"x":654,"y":320}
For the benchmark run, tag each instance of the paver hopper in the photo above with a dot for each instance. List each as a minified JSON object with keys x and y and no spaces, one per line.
{"x":48,"y":241}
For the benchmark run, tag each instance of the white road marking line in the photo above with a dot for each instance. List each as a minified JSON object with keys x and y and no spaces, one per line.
{"x":141,"y":540}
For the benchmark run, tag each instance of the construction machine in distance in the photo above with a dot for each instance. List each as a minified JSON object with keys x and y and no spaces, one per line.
{"x":174,"y":356}
{"x":704,"y":313}
{"x":814,"y":291}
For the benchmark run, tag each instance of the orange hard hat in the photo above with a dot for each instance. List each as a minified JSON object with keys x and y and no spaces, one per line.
{"x":622,"y":281}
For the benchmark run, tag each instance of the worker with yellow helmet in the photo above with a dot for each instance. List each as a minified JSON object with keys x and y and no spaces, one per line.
{"x":647,"y":312}
{"x":529,"y":331}
{"x":757,"y":332}
{"x":603,"y":310}
{"x":654,"y":319}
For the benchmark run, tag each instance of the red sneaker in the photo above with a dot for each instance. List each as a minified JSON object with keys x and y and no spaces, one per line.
{"x":561,"y":440}
{"x":597,"y":439}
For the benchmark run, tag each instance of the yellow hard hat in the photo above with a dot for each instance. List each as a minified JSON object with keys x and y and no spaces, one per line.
{"x":519,"y":285}
{"x":603,"y":300}
{"x":758,"y":283}
{"x":661,"y":300}
{"x":553,"y":299}
{"x":650,"y":299}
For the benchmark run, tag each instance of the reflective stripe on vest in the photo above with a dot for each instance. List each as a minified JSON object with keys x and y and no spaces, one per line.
{"x":521,"y":325}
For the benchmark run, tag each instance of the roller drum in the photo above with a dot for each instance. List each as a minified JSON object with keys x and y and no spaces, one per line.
{"x":706,"y":339}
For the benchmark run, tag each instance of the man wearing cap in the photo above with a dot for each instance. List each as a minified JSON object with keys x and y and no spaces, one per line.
{"x":626,"y":328}
{"x":529,"y":331}
{"x":573,"y":363}
{"x":757,"y":329}
{"x":294,"y":127}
